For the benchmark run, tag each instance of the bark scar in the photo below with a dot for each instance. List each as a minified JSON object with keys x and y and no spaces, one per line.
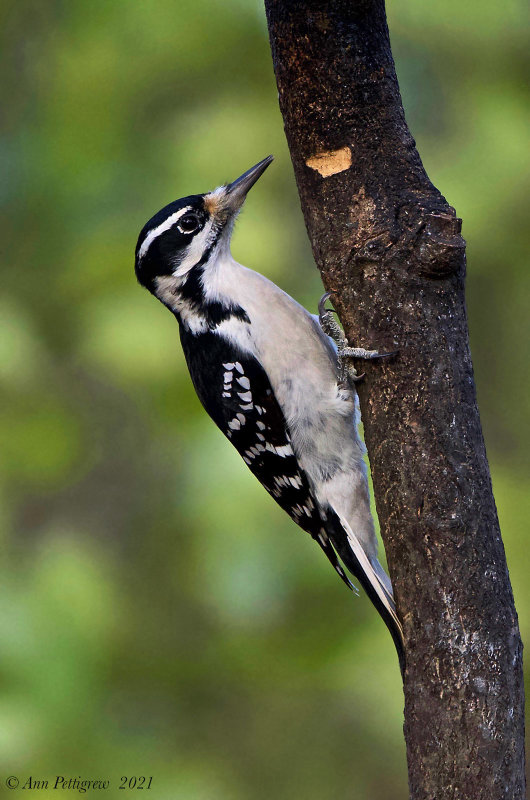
{"x":330,"y":162}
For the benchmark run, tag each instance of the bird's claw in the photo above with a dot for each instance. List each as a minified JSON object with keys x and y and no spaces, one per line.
{"x":356,"y":378}
{"x":364,"y":355}
{"x":385,"y":355}
{"x":322,"y":310}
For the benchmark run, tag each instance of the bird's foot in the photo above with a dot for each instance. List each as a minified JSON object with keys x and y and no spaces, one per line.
{"x":348,"y":373}
{"x":329,"y":325}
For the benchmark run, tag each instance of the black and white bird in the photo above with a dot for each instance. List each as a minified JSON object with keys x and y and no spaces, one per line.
{"x":270,"y":379}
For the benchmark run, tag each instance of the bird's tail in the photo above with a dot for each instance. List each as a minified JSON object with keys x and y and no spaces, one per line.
{"x":371,"y":576}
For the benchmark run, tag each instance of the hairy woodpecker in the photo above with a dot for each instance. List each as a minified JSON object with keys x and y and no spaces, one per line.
{"x":270,"y":378}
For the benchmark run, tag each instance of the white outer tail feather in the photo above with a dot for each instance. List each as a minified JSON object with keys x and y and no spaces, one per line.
{"x":382,"y":590}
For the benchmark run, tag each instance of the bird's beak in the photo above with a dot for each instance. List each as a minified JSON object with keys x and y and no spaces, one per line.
{"x":236,"y":191}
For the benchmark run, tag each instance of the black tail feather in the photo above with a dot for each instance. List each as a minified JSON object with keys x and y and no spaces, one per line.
{"x":340,"y":542}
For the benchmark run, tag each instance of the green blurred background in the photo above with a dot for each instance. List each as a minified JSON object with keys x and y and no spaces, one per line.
{"x":159,"y":614}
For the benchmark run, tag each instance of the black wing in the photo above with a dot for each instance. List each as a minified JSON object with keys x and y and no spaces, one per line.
{"x":236,"y":392}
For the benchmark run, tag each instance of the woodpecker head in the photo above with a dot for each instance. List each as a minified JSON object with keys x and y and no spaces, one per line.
{"x":185,"y":233}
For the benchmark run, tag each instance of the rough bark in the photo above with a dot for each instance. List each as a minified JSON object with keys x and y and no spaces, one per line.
{"x":389,"y":249}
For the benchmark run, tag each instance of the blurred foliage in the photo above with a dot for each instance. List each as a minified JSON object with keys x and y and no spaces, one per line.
{"x":159,"y":614}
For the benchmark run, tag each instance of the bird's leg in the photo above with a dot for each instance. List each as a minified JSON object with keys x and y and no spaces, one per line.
{"x":348,"y":373}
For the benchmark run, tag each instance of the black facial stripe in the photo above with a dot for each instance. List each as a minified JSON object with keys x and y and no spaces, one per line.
{"x":192,"y":288}
{"x":207,"y":253}
{"x":196,"y":269}
{"x":214,"y":312}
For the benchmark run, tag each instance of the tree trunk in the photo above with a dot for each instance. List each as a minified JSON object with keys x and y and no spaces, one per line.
{"x":389,"y":249}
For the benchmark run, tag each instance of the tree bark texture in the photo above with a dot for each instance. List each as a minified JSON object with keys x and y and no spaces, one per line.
{"x":389,"y":249}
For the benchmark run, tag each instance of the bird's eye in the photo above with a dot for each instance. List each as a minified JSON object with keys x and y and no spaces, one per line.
{"x":189,"y":223}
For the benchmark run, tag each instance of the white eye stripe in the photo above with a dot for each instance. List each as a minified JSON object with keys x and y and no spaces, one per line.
{"x":160,"y":229}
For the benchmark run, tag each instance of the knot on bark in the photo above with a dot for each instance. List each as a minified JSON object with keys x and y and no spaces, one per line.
{"x":426,"y":239}
{"x":439,"y":248}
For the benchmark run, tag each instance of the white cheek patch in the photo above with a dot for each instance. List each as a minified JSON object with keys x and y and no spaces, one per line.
{"x":196,"y":249}
{"x":160,"y":229}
